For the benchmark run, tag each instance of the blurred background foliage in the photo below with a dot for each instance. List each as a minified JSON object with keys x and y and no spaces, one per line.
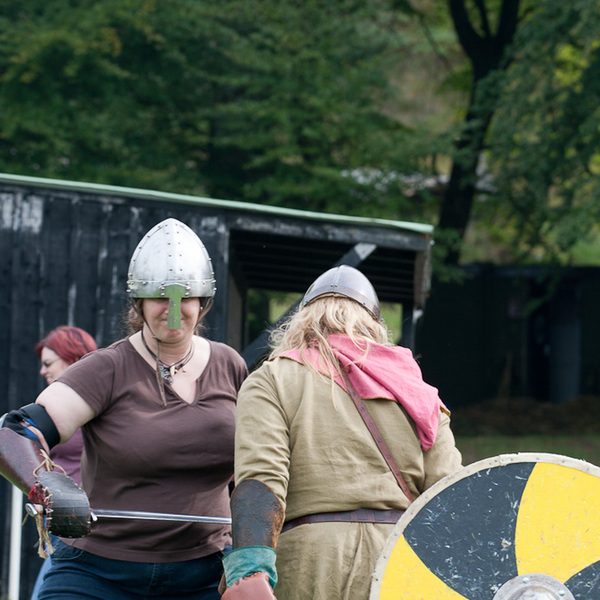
{"x":481,"y":118}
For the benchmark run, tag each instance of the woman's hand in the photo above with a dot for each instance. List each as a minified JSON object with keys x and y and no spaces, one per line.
{"x":254,"y":587}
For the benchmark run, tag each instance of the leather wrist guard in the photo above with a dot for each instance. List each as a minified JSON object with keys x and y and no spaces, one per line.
{"x":66,"y":505}
{"x":20,"y":457}
{"x":36,"y":416}
{"x":257,"y":515}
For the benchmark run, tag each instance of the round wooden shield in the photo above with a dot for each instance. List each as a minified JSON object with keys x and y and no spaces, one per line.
{"x":511,"y":527}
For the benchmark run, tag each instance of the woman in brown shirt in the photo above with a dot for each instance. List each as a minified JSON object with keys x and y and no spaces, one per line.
{"x":157,"y":412}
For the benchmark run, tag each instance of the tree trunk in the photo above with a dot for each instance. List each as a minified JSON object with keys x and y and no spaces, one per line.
{"x":487,"y":53}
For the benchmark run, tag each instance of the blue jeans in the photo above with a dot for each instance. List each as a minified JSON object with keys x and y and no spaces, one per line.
{"x":76,"y":575}
{"x":43,"y":570}
{"x":40,"y":577}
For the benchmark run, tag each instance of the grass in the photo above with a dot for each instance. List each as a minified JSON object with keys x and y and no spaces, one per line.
{"x":585,"y":447}
{"x":511,"y":425}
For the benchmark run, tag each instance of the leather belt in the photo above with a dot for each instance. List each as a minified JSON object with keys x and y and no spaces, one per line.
{"x":360,"y":515}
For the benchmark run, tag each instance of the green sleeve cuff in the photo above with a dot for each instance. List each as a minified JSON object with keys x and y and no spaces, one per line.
{"x":242,"y":562}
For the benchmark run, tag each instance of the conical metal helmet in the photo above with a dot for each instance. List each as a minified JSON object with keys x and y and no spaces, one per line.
{"x":344,"y":281}
{"x":171,"y":262}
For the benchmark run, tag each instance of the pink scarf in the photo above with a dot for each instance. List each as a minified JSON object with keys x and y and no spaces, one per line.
{"x":390,"y":373}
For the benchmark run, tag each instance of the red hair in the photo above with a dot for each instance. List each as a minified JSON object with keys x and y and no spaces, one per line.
{"x":70,"y":343}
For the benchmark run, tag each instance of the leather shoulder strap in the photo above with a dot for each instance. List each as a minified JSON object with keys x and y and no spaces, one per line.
{"x":381,"y":444}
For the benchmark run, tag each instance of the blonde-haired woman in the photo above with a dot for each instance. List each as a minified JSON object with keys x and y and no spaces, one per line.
{"x":315,"y":496}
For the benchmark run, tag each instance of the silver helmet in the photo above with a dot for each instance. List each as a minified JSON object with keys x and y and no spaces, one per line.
{"x":171,"y":262}
{"x":344,"y":281}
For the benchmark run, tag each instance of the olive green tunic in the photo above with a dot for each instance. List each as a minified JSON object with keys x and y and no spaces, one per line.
{"x":315,"y":452}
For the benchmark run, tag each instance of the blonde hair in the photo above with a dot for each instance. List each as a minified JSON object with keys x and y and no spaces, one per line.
{"x":311,"y":326}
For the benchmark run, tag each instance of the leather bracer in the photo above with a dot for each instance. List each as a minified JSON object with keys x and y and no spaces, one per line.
{"x":64,"y":504}
{"x":257,"y":515}
{"x":19,"y":458}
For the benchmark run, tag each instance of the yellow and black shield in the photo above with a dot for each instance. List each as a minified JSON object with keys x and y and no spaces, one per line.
{"x":505,"y":528}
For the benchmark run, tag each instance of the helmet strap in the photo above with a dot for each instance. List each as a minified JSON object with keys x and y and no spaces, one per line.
{"x":137,"y":306}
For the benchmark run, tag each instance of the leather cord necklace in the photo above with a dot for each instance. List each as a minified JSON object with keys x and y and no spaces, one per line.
{"x":372,"y":427}
{"x":168,"y":371}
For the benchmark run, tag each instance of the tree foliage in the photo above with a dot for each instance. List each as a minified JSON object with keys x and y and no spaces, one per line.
{"x":339,"y":106}
{"x":96,"y":91}
{"x":545,"y":139}
{"x":263,"y":101}
{"x":486,"y":43}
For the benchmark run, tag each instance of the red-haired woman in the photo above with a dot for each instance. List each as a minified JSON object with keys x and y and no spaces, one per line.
{"x":59,"y":349}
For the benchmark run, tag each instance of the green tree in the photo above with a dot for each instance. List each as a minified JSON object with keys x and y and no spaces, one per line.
{"x":336,"y":106}
{"x":530,"y":133}
{"x":486,"y":42}
{"x":100,"y":91}
{"x":298,"y":119}
{"x":263,"y":101}
{"x":545,"y":138}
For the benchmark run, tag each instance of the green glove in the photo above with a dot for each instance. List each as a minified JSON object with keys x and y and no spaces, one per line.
{"x":242,"y":562}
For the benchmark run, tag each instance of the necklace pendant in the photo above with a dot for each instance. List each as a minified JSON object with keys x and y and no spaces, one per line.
{"x":172,"y":371}
{"x":165,"y":373}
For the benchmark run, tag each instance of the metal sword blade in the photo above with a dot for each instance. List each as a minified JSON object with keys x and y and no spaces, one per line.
{"x":106,"y":513}
{"x":102,"y":513}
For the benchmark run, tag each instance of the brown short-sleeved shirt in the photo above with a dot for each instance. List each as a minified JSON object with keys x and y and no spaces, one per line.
{"x":142,"y":456}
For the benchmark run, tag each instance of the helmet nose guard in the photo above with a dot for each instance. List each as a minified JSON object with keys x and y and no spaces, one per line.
{"x":344,"y":281}
{"x":171,"y":262}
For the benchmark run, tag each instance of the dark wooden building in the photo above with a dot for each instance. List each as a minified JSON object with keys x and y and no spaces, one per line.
{"x":513,"y":332}
{"x":64,"y":252}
